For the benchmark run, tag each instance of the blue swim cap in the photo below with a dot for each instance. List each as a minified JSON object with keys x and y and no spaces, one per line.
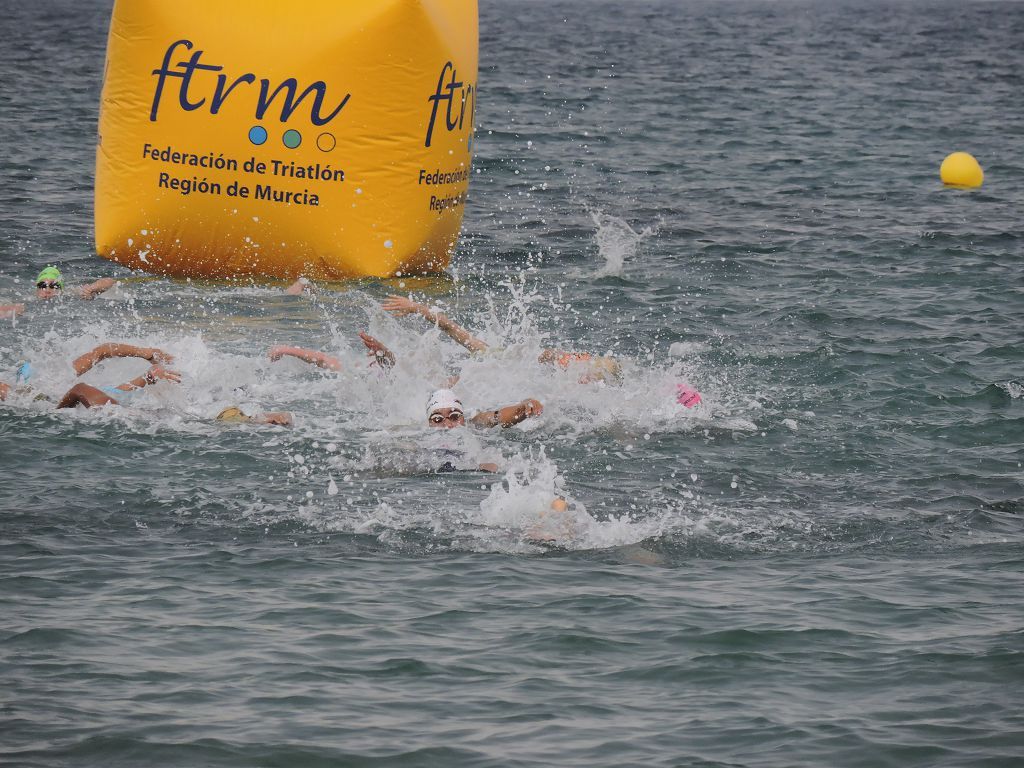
{"x":24,"y":372}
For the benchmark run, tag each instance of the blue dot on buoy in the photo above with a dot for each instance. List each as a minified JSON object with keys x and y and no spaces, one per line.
{"x":257,"y":134}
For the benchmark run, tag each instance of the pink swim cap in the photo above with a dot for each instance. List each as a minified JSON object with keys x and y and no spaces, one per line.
{"x":687,"y":396}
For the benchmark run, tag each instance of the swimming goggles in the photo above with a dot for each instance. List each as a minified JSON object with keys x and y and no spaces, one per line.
{"x":49,"y":284}
{"x":454,"y":417}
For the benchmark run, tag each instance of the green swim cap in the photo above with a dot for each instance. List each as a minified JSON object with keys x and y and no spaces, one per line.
{"x":51,"y":274}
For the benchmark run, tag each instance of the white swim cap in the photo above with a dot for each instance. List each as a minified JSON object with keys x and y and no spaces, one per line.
{"x":443,"y":398}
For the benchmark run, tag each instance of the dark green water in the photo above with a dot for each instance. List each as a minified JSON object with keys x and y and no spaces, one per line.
{"x":820,"y":566}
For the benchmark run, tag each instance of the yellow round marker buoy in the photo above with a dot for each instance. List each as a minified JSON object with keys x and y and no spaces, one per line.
{"x":960,"y":169}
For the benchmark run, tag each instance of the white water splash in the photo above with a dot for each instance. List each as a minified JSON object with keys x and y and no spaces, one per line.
{"x":522,"y":504}
{"x":616,"y":242}
{"x":359,"y":459}
{"x":1012,"y":388}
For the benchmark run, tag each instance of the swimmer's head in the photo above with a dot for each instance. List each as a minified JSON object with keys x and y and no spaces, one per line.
{"x":23,"y":372}
{"x":49,"y":283}
{"x":604,"y":368}
{"x":233,"y":415}
{"x":444,"y":410}
{"x":686,"y":396}
{"x":599,"y":368}
{"x":564,"y":359}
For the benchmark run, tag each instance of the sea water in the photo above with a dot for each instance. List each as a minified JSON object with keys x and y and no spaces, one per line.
{"x":819,"y":565}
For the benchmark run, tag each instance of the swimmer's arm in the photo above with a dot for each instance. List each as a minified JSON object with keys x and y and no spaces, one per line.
{"x":11,"y":310}
{"x":94,"y":289}
{"x":457,"y":332}
{"x":152,"y":376}
{"x":311,"y":356}
{"x":562,"y":356}
{"x":508,"y":416}
{"x":277,"y":418}
{"x":105,"y":351}
{"x":4,"y":391}
{"x":401,"y":306}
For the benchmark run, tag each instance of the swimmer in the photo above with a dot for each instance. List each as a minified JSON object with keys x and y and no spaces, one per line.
{"x":235,"y":415}
{"x":594,"y":367}
{"x":554,"y":524}
{"x":90,"y":396}
{"x":50,"y":284}
{"x":22,"y":374}
{"x":93,"y":397}
{"x":444,"y":411}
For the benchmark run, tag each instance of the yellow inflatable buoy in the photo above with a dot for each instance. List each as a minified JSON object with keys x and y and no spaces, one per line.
{"x":960,"y":169}
{"x":319,"y":138}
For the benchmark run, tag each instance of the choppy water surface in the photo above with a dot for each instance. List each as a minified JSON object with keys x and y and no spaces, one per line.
{"x":820,"y":565}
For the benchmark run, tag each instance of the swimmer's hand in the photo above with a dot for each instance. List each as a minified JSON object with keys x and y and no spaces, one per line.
{"x":157,"y":356}
{"x":402,"y":306}
{"x":152,"y":376}
{"x":488,"y":466}
{"x":92,"y":290}
{"x":532,"y":407}
{"x":158,"y":372}
{"x":378,"y":353}
{"x":11,"y":310}
{"x":299,"y":287}
{"x":4,"y":390}
{"x":277,"y":418}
